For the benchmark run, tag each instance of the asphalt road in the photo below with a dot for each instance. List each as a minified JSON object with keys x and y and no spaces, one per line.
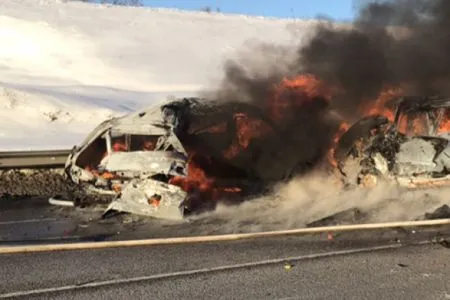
{"x":237,"y":270}
{"x":36,"y":221}
{"x":383,"y":264}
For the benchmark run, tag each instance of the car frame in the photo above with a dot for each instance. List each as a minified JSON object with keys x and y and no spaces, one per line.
{"x":141,"y":181}
{"x":399,"y":150}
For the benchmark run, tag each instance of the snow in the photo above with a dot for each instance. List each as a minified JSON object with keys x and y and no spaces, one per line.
{"x":67,"y":66}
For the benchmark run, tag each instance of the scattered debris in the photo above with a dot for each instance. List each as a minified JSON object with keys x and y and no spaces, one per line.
{"x":288,"y":266}
{"x":59,"y":202}
{"x":442,"y":212}
{"x":330,"y":236}
{"x":402,"y":265}
{"x":445,"y":243}
{"x":349,"y":216}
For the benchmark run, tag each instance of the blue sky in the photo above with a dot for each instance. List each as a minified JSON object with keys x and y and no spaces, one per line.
{"x":336,"y":9}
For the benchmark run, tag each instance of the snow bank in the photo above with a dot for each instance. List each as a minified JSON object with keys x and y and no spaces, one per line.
{"x":65,"y":67}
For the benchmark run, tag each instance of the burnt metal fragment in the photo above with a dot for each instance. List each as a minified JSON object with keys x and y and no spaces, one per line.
{"x":348,"y":216}
{"x":442,"y":212}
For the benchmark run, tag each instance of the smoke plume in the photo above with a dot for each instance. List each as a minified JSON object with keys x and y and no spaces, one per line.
{"x":390,"y":43}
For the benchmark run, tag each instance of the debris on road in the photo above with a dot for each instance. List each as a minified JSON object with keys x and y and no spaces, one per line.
{"x":445,"y":243}
{"x":441,"y":212}
{"x":288,"y":266}
{"x":60,"y":202}
{"x":330,"y":236}
{"x":348,"y":216}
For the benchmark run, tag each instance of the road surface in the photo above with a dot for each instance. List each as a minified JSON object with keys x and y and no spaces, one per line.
{"x":264,"y":269}
{"x":385,"y":264}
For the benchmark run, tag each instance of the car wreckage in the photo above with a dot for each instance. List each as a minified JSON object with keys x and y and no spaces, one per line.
{"x":411,"y":150}
{"x":141,"y":160}
{"x":130,"y":159}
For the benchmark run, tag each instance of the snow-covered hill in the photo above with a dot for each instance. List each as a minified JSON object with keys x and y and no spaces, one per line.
{"x":65,"y":67}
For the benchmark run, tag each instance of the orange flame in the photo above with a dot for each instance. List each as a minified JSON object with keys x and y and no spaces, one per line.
{"x":288,"y":95}
{"x":330,"y":155}
{"x":196,"y":179}
{"x":296,"y":92}
{"x":444,"y":127}
{"x":219,"y":128}
{"x":378,"y":106}
{"x":246,"y":129}
{"x":375,"y":107}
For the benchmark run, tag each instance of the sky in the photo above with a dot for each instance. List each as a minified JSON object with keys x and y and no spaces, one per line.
{"x":336,"y":9}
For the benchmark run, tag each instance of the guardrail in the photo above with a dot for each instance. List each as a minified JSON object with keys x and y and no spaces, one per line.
{"x":33,"y":159}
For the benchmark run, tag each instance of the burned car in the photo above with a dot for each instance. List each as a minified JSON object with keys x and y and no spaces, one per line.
{"x":130,"y":159}
{"x":412,"y":150}
{"x":173,"y":159}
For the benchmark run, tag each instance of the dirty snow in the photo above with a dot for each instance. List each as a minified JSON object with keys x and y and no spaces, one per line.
{"x":66,"y":66}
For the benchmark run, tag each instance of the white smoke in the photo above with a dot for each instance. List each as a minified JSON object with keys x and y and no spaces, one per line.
{"x":303,"y":200}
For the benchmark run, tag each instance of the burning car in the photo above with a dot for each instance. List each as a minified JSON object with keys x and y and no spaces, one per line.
{"x":131,"y":159}
{"x":412,"y":149}
{"x":173,"y":159}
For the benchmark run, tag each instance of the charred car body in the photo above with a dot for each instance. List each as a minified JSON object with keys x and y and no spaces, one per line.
{"x":159,"y":161}
{"x":144,"y":161}
{"x":412,"y":150}
{"x":130,"y":159}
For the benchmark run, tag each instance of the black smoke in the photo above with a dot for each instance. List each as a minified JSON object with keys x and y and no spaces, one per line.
{"x":390,"y":43}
